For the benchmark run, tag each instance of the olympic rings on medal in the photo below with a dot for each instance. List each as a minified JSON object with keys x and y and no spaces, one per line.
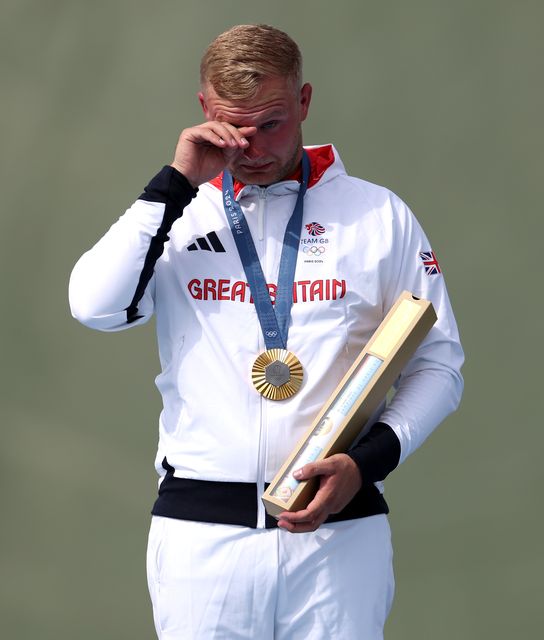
{"x":315,"y":251}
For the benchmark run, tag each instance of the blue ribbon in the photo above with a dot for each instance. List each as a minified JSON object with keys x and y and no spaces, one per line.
{"x":274,"y":322}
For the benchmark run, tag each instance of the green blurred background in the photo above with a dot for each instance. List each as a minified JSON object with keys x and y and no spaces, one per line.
{"x":442,"y":102}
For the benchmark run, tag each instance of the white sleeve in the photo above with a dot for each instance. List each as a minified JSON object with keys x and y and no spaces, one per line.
{"x":105,"y":278}
{"x":430,"y":386}
{"x":111,"y":286}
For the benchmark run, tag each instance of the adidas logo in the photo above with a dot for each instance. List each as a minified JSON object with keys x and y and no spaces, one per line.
{"x":211,"y":244}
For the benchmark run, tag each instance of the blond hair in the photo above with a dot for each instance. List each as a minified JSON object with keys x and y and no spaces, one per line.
{"x":237,"y":61}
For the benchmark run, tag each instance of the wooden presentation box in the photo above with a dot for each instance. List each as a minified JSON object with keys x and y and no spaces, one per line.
{"x":354,"y":400}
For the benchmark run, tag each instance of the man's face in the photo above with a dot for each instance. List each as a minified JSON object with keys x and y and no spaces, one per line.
{"x":277,"y":112}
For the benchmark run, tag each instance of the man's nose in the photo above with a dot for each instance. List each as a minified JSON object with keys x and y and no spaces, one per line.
{"x":255,"y":150}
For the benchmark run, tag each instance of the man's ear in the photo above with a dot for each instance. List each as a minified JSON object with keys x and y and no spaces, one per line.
{"x":305,"y":99}
{"x":203,"y":104}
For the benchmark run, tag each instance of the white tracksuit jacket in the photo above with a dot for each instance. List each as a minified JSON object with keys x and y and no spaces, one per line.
{"x":360,"y":247}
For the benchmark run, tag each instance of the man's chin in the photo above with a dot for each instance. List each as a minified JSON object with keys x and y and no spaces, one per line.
{"x":262,"y":175}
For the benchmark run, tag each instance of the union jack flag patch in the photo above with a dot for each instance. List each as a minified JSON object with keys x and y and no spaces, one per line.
{"x":430,"y":262}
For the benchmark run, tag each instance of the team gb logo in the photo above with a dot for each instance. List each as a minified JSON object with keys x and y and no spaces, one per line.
{"x":315,"y":229}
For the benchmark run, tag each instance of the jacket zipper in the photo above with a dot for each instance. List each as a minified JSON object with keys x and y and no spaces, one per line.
{"x":261,"y":460}
{"x":260,"y":213}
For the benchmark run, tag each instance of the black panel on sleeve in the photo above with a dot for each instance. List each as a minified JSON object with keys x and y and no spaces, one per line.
{"x":170,"y":187}
{"x":174,"y":190}
{"x":377,"y":453}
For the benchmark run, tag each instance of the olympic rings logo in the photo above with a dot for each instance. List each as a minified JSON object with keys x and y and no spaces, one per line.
{"x":271,"y":334}
{"x":315,"y":251}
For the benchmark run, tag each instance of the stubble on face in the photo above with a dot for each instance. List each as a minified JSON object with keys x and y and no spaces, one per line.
{"x":279,"y":171}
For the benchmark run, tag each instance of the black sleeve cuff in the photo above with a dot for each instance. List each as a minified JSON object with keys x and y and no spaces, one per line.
{"x":170,"y":187}
{"x":377,"y":453}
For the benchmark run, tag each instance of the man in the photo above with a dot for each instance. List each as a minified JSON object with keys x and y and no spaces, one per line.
{"x":198,"y":249}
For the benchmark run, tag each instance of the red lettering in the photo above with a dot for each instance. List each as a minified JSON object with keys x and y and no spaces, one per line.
{"x":303,"y":284}
{"x":223,"y":289}
{"x":303,"y":290}
{"x":338,"y":284}
{"x":272,"y":291}
{"x":238,"y":291}
{"x":210,"y":289}
{"x":316,"y":290}
{"x":195,"y":289}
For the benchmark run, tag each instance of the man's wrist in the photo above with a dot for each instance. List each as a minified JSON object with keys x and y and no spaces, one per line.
{"x":183,"y":172}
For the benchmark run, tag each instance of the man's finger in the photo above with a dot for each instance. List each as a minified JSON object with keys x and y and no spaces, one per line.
{"x":229,"y":135}
{"x":238,"y":134}
{"x":313,"y":469}
{"x":313,"y":512}
{"x":303,"y":526}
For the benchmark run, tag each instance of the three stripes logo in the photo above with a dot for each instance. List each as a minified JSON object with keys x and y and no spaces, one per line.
{"x":210,"y":243}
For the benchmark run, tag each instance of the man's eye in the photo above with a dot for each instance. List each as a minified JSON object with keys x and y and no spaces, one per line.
{"x":269,"y":125}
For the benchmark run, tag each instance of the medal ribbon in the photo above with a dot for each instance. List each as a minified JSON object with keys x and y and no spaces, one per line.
{"x":274,"y":323}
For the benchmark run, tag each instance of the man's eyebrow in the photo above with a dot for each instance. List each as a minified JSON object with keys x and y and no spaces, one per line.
{"x":274,"y":113}
{"x":278,"y":111}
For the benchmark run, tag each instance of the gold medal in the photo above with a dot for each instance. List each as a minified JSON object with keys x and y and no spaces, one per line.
{"x":277,"y":374}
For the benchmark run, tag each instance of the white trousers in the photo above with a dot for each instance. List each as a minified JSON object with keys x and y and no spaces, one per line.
{"x":215,"y":581}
